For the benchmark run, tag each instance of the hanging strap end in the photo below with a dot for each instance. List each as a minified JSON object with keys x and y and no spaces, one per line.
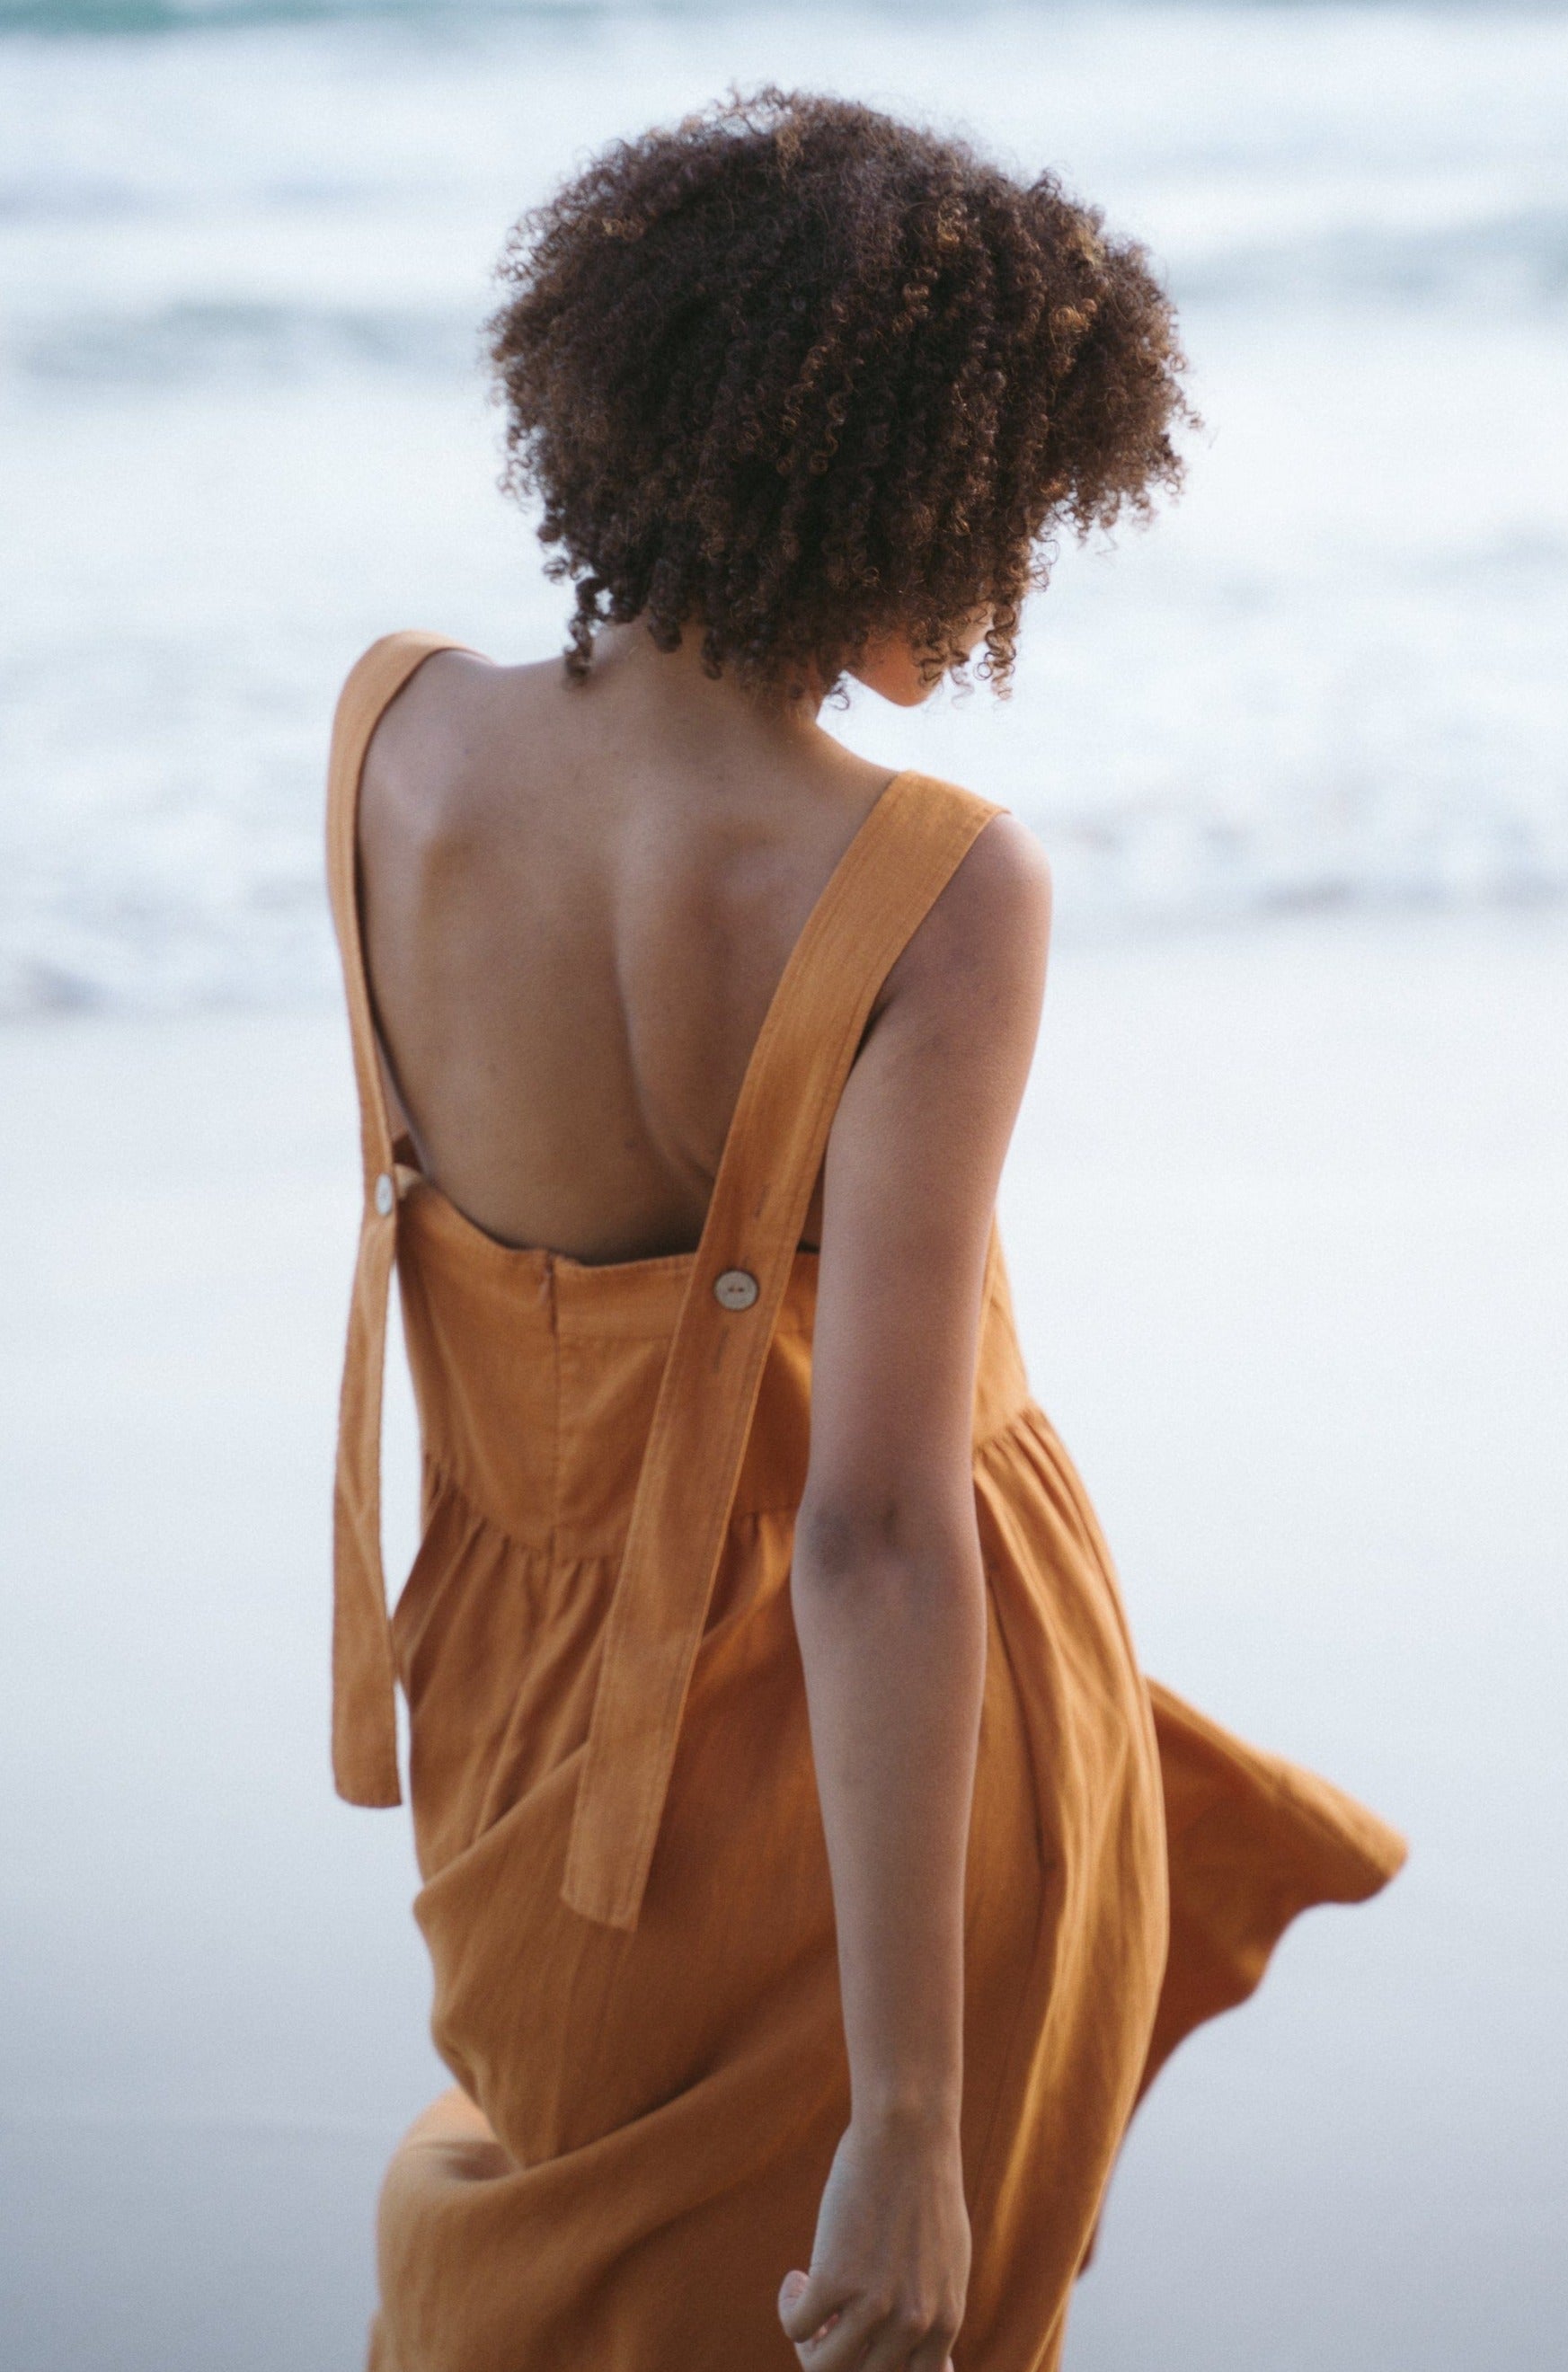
{"x":365,"y":1713}
{"x":365,"y":1742}
{"x":596,"y":1889}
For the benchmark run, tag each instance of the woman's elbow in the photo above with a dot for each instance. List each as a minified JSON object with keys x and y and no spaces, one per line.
{"x":915,"y":1539}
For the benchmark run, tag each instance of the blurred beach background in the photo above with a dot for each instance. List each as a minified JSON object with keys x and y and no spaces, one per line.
{"x":1286,"y":1213}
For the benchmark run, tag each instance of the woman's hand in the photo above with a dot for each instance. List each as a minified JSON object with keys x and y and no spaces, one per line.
{"x":890,"y":2263}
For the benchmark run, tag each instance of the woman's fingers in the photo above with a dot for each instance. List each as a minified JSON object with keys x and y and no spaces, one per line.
{"x":899,"y":2345}
{"x":840,"y":2344}
{"x":857,"y":2336}
{"x":932,"y":2356}
{"x":791,"y":2289}
{"x":809,"y":2312}
{"x":839,"y":2339}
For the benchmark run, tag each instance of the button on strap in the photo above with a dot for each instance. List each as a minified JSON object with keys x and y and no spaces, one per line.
{"x":735,"y":1288}
{"x":893,"y":871}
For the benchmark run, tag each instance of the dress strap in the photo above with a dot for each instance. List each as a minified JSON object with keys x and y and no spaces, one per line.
{"x":903,"y":857}
{"x":364,"y":1726}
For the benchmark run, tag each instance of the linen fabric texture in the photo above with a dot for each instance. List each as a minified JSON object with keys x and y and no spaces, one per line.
{"x":625,"y":1889}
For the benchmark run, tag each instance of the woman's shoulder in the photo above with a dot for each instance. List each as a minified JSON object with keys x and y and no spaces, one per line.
{"x":984,"y":938}
{"x":466,"y":682}
{"x":377,"y":678}
{"x":443,"y":726}
{"x":1004,"y":881}
{"x":392,"y":657}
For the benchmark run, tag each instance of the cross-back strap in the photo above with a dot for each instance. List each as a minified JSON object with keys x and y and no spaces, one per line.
{"x":365,"y":1724}
{"x":903,"y":855}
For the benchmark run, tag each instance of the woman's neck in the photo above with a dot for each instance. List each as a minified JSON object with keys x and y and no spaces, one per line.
{"x":672,"y":695}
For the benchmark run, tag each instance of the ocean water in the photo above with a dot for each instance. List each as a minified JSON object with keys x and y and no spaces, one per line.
{"x":244,"y":251}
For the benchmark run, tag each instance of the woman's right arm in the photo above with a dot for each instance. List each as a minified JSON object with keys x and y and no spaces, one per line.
{"x":889,"y":1591}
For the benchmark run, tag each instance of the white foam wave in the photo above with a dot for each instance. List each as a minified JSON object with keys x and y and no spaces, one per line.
{"x":241,"y":432}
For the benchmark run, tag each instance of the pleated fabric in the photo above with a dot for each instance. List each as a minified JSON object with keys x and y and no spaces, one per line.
{"x":625,"y":1889}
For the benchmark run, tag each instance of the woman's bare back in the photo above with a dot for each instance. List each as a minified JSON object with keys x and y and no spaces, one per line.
{"x":578,"y":902}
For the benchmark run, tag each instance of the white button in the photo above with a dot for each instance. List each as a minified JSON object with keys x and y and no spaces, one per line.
{"x":736,"y":1289}
{"x":385,"y":1192}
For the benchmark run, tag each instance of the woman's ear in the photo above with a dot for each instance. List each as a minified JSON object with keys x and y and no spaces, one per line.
{"x":894,"y":666}
{"x":890,"y":667}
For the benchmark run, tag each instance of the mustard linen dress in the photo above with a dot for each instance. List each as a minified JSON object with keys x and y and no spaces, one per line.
{"x":626,"y":1894}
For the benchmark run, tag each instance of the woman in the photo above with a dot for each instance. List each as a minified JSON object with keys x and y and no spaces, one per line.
{"x":812,"y":1881}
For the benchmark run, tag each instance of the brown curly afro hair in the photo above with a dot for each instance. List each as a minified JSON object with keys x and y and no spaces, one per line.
{"x":794,"y":375}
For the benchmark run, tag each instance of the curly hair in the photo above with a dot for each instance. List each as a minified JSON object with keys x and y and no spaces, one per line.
{"x":795,"y":374}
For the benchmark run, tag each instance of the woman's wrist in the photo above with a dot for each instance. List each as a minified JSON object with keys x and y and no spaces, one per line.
{"x":910,"y":2116}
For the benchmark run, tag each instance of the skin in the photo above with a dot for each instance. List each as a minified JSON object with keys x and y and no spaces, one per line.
{"x":578,"y":902}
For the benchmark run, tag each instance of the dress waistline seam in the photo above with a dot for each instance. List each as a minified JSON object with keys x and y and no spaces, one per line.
{"x":546,"y":1546}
